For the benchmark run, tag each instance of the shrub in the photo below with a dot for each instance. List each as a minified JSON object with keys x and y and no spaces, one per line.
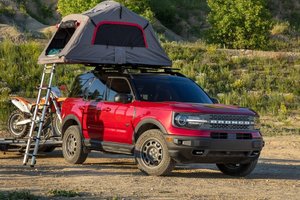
{"x":141,"y":7}
{"x":280,"y":28}
{"x":239,"y":24}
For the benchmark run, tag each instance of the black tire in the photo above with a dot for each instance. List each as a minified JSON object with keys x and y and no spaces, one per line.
{"x":151,"y":154}
{"x":56,"y":126}
{"x":72,"y":146}
{"x":239,"y":170}
{"x":15,"y":131}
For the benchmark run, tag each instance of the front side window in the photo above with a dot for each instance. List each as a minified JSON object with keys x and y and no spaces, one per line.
{"x":80,"y":85}
{"x":117,"y":86}
{"x":96,"y":90}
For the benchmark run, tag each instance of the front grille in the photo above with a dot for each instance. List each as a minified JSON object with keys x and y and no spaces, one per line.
{"x":229,"y":126}
{"x":230,"y":122}
{"x":230,"y":117}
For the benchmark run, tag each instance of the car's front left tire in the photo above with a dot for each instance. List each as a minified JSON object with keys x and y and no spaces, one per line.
{"x":151,"y":154}
{"x":72,"y":146}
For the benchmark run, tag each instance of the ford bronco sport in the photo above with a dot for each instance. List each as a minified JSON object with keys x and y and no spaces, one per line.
{"x":160,"y":117}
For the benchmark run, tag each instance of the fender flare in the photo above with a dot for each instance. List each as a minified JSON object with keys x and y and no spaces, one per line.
{"x":66,"y":120}
{"x":148,"y":121}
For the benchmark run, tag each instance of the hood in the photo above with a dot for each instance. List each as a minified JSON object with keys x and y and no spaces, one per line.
{"x":211,"y":108}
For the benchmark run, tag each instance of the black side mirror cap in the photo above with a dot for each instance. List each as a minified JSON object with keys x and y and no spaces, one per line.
{"x":215,"y":101}
{"x":123,"y":98}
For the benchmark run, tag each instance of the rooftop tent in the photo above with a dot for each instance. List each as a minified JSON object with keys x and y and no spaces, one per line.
{"x":107,"y":34}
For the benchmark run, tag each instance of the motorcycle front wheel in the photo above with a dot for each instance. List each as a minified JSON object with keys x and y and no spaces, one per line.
{"x":17,"y":131}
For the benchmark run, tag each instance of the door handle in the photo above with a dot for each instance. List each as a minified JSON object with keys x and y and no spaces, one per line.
{"x":107,"y":109}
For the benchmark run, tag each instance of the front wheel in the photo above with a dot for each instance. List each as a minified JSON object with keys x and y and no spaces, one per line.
{"x":72,"y":146}
{"x":239,"y":170}
{"x":17,"y":131}
{"x":151,"y":153}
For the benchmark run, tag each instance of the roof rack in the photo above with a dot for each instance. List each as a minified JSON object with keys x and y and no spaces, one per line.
{"x":128,"y":69}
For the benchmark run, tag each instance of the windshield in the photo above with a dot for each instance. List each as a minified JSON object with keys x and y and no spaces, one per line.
{"x":159,"y":88}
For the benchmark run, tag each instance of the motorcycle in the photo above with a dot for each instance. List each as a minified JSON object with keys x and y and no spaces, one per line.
{"x":19,"y":121}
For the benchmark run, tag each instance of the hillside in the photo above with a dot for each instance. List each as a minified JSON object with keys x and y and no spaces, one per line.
{"x":174,"y":19}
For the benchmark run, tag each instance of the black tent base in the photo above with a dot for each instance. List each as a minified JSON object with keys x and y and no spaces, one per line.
{"x":19,"y":145}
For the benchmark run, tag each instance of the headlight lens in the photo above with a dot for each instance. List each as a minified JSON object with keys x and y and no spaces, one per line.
{"x":184,"y":120}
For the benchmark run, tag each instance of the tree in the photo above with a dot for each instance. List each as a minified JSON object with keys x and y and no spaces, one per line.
{"x":239,"y":23}
{"x":141,"y":7}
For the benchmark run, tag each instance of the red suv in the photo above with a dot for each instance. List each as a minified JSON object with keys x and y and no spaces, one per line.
{"x":160,"y":117}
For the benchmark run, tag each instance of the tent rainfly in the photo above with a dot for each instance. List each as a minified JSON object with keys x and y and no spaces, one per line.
{"x":107,"y":34}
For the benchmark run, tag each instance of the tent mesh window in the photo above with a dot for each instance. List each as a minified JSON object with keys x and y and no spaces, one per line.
{"x":61,"y":37}
{"x":119,"y":34}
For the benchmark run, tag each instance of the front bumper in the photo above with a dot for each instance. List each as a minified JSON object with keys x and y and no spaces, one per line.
{"x":185,"y":149}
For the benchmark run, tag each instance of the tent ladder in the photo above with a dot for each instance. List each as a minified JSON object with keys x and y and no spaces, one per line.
{"x":38,"y":120}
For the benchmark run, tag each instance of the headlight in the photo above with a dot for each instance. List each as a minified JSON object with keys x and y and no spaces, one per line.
{"x":185,"y":120}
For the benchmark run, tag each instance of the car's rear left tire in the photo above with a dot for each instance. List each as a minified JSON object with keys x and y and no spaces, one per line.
{"x":151,"y":154}
{"x":239,"y":170}
{"x":72,"y":146}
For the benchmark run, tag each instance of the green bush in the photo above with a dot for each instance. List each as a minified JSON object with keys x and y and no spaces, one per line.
{"x":239,"y":23}
{"x":141,"y":7}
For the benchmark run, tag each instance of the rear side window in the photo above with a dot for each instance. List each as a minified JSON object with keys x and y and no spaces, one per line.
{"x":119,"y":34}
{"x":117,"y":86}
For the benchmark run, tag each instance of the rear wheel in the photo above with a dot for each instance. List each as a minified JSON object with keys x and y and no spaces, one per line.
{"x":151,"y":153}
{"x":56,"y":126}
{"x":17,"y":131}
{"x":240,"y":170}
{"x":72,"y":146}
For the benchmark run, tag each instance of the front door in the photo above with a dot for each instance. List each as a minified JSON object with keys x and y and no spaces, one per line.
{"x":116,"y":116}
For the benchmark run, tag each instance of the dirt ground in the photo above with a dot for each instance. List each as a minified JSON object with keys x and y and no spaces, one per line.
{"x":106,"y":176}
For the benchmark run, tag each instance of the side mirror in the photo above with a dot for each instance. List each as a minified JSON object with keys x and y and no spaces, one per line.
{"x":215,"y":101}
{"x":123,"y":98}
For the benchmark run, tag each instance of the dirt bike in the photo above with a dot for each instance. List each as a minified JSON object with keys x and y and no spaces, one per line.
{"x":19,"y":121}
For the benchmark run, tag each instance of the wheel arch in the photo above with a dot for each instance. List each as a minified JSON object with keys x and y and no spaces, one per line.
{"x":69,"y":121}
{"x":145,"y":125}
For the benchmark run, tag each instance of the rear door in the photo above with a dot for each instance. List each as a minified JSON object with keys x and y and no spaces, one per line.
{"x":116,"y":116}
